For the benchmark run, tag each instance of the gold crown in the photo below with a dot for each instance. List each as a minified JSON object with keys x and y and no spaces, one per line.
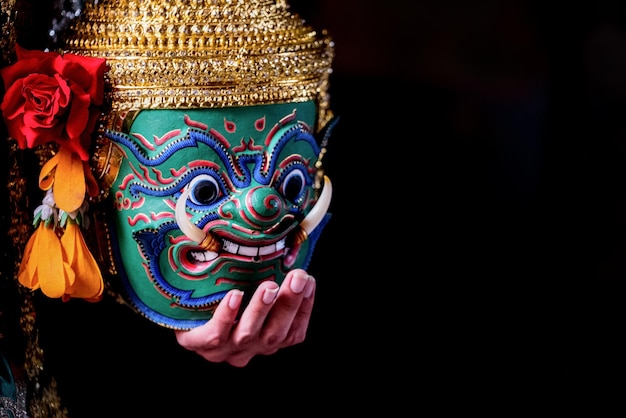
{"x":204,"y":53}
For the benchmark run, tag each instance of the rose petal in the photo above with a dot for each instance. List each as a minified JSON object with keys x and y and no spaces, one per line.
{"x":39,"y":136}
{"x":24,"y":67}
{"x":93,"y":80}
{"x":78,"y":116}
{"x":36,"y":54}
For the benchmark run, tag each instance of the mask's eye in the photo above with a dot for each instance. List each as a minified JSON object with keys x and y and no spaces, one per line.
{"x":293,"y":185}
{"x":204,"y":190}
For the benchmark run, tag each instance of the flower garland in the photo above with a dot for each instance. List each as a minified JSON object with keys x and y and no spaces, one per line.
{"x":50,"y":97}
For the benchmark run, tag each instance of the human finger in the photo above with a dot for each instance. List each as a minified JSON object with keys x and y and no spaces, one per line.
{"x":215,"y":332}
{"x":297,"y":332}
{"x":285,"y":308}
{"x":254,"y":315}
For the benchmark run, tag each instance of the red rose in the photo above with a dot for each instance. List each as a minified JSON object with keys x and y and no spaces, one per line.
{"x":53,"y":97}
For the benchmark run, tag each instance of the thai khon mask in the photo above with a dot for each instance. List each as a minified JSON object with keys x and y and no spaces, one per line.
{"x":207,"y":200}
{"x":207,"y":154}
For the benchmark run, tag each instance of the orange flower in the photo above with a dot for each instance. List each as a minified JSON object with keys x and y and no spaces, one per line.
{"x":61,"y":268}
{"x":43,"y":265}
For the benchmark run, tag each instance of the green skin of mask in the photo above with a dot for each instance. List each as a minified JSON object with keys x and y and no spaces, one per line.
{"x":243,"y":175}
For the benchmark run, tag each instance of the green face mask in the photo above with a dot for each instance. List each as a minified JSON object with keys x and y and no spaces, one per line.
{"x":209,"y":200}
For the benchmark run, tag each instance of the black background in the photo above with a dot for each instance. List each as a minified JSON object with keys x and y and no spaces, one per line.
{"x":479,"y":172}
{"x":476,"y":252}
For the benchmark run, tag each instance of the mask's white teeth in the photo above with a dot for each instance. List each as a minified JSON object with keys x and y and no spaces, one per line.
{"x":233,"y":248}
{"x":204,"y":256}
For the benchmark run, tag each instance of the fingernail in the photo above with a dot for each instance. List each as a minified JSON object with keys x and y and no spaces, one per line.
{"x":269,"y":295}
{"x":310,"y":287}
{"x":298,"y":282}
{"x":235,"y":299}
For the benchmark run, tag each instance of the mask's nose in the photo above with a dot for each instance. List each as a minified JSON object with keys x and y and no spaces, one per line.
{"x":263,"y":205}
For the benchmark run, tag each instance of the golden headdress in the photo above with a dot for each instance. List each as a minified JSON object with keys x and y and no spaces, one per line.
{"x":204,"y":53}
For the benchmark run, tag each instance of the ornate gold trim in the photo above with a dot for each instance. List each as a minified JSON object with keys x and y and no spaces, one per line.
{"x":204,"y":53}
